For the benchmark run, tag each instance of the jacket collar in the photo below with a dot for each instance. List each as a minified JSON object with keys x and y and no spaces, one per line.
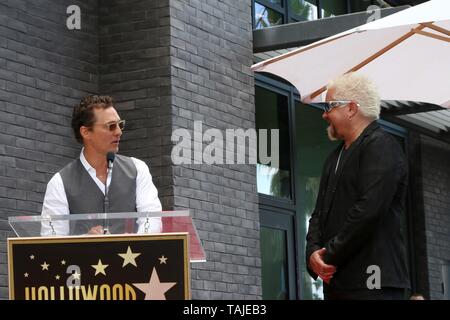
{"x":370,"y":128}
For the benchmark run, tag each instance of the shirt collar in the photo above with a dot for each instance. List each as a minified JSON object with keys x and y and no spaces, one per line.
{"x":84,"y":162}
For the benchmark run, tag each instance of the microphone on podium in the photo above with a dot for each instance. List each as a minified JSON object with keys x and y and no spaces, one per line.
{"x":110,"y":156}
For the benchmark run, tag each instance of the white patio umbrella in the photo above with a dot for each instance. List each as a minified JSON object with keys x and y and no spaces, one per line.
{"x":406,"y":54}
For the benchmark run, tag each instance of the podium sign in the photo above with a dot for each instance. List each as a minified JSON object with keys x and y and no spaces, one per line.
{"x":106,"y":267}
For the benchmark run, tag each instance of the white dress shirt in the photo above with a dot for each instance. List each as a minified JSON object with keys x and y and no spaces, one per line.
{"x":55,"y":200}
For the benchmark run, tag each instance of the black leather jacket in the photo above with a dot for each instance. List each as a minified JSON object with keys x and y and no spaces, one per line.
{"x":359,"y":218}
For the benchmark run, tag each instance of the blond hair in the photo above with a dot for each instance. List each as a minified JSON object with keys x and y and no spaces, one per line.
{"x":357,"y":87}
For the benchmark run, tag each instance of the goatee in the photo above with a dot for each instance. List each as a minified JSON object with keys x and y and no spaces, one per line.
{"x":331,"y":133}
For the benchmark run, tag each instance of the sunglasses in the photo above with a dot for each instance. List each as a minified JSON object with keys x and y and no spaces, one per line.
{"x":112,"y":126}
{"x":329,"y":105}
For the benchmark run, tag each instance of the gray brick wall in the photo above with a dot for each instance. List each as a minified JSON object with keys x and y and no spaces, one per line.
{"x":211,"y":54}
{"x":436,"y":198}
{"x":44,"y":70}
{"x":167,"y":64}
{"x":135,"y":71}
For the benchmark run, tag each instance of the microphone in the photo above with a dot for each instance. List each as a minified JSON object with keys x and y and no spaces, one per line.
{"x":110,"y":156}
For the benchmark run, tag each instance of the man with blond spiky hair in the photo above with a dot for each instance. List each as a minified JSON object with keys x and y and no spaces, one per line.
{"x":355,"y":243}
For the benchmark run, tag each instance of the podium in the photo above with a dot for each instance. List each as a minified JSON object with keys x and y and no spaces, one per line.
{"x":141,"y":256}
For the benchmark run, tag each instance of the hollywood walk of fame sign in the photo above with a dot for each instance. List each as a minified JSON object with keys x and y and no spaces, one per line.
{"x":107,"y":267}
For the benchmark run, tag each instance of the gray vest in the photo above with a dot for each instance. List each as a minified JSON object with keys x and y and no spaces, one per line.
{"x":84,"y":196}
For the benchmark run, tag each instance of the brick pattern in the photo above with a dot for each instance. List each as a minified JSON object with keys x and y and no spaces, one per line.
{"x":44,"y":70}
{"x":166,"y":63}
{"x":135,"y":71}
{"x":211,"y":54}
{"x":436,"y":195}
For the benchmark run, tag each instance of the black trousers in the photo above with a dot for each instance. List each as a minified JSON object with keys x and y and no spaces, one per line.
{"x":364,"y":294}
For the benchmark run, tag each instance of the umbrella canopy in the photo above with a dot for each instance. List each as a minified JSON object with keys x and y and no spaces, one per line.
{"x":406,"y":54}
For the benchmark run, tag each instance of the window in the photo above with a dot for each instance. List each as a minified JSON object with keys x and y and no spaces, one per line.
{"x":274,"y":258}
{"x":272,"y":113}
{"x":266,"y":17}
{"x":332,"y":8}
{"x":269,"y":13}
{"x":287,"y":194}
{"x":274,"y":185}
{"x":312,"y":148}
{"x":358,"y":5}
{"x":301,"y":10}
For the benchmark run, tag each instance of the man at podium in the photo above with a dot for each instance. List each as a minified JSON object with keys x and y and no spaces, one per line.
{"x":100,"y":180}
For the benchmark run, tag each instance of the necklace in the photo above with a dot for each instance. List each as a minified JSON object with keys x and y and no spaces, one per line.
{"x":339,"y":158}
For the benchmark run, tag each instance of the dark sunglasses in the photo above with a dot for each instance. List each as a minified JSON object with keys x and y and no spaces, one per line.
{"x":112,"y":126}
{"x":329,"y":105}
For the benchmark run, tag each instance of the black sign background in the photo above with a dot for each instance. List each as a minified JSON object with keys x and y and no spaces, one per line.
{"x":29,"y":256}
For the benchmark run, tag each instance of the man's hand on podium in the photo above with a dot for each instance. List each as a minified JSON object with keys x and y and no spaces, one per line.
{"x":96,"y":230}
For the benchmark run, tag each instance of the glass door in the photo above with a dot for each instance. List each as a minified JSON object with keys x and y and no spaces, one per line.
{"x":312,"y":147}
{"x":277,"y":255}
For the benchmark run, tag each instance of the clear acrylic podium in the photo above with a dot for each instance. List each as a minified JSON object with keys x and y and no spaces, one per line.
{"x":142,"y":255}
{"x":115,"y":223}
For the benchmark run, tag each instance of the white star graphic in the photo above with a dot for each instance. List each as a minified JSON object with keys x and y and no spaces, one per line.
{"x":129,"y":257}
{"x":57,"y":277}
{"x":99,"y":267}
{"x":76,"y":275}
{"x":154,"y":289}
{"x":162,"y":260}
{"x":63,"y":262}
{"x":32,"y":257}
{"x":45,"y":266}
{"x":26,"y":274}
